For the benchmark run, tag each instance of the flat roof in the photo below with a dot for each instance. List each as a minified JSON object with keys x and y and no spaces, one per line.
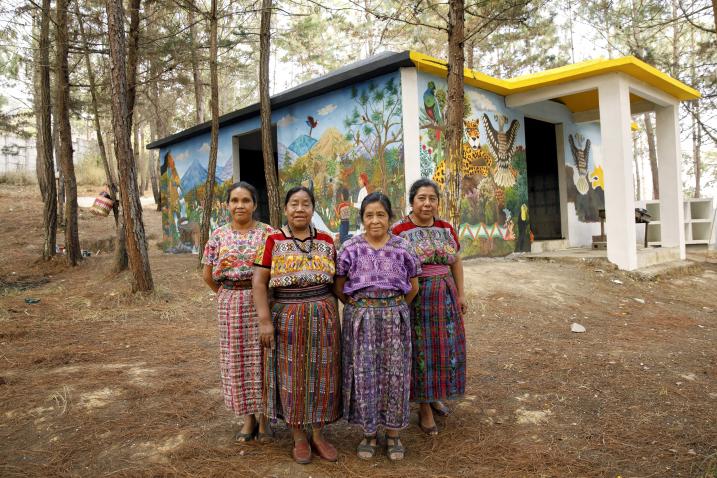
{"x":390,"y":61}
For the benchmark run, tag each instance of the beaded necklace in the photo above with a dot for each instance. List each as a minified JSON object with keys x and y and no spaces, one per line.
{"x":298,"y":244}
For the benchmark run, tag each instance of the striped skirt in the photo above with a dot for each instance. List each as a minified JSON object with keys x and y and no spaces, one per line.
{"x":303,"y":370}
{"x":240,"y":359}
{"x":439,"y":341}
{"x":377,"y":361}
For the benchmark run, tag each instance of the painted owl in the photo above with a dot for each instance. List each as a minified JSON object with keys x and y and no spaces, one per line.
{"x":502,"y":145}
{"x":580,"y":156}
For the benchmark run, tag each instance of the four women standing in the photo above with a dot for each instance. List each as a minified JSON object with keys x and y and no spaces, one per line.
{"x":395,"y":348}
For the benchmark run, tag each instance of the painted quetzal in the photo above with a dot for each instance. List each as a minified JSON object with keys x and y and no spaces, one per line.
{"x":433,"y":110}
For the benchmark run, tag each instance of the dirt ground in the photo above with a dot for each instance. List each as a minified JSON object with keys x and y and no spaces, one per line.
{"x":96,"y":381}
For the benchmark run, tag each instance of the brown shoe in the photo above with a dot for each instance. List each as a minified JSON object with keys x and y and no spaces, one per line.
{"x":325,"y":450}
{"x":302,"y":452}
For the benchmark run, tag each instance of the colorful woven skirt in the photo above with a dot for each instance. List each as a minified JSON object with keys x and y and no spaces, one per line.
{"x":377,"y":360}
{"x":439,"y":341}
{"x":240,"y":358}
{"x":303,"y":370}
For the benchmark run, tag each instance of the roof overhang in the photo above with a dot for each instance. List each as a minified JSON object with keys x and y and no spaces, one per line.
{"x":582,"y":101}
{"x":578,"y":102}
{"x":347,"y":75}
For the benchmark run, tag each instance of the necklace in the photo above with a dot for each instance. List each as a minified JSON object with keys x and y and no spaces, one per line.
{"x":298,"y":244}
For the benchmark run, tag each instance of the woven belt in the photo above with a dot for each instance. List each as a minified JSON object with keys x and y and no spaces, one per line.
{"x":296,"y":294}
{"x":391,"y":301}
{"x":236,"y":284}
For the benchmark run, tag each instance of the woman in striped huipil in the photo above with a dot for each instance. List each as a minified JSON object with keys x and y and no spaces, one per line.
{"x":228,"y":266}
{"x":439,"y":347}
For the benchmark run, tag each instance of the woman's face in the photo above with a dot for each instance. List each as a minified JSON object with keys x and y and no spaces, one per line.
{"x":375,"y":221}
{"x":425,"y":203}
{"x":299,"y":210}
{"x":241,"y":205}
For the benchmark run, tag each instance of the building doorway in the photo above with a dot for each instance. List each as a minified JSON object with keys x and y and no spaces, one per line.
{"x":543,"y":182}
{"x":249,"y":166}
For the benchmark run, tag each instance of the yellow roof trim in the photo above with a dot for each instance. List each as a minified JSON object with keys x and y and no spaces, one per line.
{"x":628,"y":65}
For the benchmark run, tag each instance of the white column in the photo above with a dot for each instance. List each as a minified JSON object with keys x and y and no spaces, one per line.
{"x":411,"y":142}
{"x":614,"y":97}
{"x":670,"y":178}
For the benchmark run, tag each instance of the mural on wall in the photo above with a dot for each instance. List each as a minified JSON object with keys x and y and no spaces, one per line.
{"x":345,"y":144}
{"x":583,"y":165}
{"x":494,"y":205}
{"x":182,"y":183}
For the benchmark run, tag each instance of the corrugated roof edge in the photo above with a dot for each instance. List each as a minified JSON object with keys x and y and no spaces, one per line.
{"x":352,"y":73}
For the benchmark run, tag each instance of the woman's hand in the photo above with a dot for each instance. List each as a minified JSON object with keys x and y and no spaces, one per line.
{"x":266,"y":333}
{"x":462,"y":304}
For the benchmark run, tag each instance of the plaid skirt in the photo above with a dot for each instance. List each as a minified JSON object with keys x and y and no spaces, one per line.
{"x":377,"y":361}
{"x":439,"y":343}
{"x":303,"y":370}
{"x":239,"y":351}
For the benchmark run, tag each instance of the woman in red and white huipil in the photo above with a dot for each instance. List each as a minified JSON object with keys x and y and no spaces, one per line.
{"x":228,"y":268}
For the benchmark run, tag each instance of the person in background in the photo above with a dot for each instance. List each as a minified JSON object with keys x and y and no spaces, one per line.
{"x":300,"y":328}
{"x":439,"y":346}
{"x":376,"y":279}
{"x":228,"y":268}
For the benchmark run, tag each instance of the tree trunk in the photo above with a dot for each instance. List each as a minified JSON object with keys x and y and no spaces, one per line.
{"x":696,"y":148}
{"x":72,"y":238}
{"x":454,"y":112}
{"x":36,"y":103}
{"x":45,"y":161}
{"x":153,"y":162}
{"x":267,"y":147}
{"x":60,"y":181}
{"x":156,"y":122}
{"x":198,"y":88}
{"x":131,"y":207}
{"x":132,"y":58}
{"x":470,"y":53}
{"x":652,"y":152}
{"x":214,"y":138}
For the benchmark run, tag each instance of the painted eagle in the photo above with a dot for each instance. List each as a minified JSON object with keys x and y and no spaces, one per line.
{"x":502,"y":145}
{"x":580,"y":156}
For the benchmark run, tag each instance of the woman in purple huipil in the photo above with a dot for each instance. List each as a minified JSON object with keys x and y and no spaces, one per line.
{"x":376,"y":278}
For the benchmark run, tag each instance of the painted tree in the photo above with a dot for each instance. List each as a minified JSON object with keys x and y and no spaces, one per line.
{"x":375,"y":122}
{"x":129,"y":195}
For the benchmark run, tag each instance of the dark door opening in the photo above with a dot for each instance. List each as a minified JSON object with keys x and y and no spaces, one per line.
{"x":543,"y":186}
{"x":251,"y":167}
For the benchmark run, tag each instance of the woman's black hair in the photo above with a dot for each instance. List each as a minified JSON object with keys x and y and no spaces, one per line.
{"x":380,"y":198}
{"x":243,"y":185}
{"x":297,"y":189}
{"x":422,"y":183}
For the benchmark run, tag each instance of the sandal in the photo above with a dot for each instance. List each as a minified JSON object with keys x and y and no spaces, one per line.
{"x":441,"y":409}
{"x":365,"y":450}
{"x":267,"y":436}
{"x":431,"y":431}
{"x":246,"y":437}
{"x":394,"y":448}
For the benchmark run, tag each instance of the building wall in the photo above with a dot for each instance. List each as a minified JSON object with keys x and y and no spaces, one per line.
{"x":495,"y":217}
{"x":327,"y":143}
{"x":494,"y":206}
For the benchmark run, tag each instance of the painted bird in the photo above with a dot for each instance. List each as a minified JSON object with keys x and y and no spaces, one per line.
{"x":502,"y":145}
{"x":431,"y":106}
{"x":311,"y":123}
{"x":581,"y":157}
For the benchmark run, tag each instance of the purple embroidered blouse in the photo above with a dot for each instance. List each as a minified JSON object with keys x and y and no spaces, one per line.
{"x":389,"y":268}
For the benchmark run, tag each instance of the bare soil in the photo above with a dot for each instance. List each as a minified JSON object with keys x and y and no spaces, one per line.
{"x":96,"y":381}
